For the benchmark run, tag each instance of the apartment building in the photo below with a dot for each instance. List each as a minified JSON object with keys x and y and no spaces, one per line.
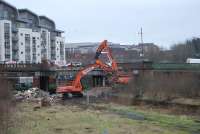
{"x":26,"y":37}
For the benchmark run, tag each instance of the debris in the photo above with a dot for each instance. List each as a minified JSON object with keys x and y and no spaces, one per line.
{"x":37,"y":95}
{"x":45,"y":102}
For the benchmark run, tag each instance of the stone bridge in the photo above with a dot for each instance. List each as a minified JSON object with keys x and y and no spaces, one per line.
{"x":46,"y":75}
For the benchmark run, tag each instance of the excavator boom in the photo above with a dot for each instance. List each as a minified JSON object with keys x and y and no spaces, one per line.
{"x":76,"y":84}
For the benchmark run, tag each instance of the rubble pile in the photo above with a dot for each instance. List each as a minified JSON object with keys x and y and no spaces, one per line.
{"x":36,"y":95}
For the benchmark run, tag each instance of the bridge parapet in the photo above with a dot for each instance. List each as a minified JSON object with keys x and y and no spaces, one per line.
{"x":19,"y":67}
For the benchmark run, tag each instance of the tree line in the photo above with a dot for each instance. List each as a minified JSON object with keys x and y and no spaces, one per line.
{"x":178,"y":53}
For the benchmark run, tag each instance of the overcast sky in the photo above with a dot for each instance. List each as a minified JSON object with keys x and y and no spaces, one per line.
{"x":164,"y":22}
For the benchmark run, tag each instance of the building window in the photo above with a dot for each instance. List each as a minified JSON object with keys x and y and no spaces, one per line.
{"x":27,"y":48}
{"x":62,"y":48}
{"x":21,"y":52}
{"x":7,"y":40}
{"x":22,"y":43}
{"x":34,"y":48}
{"x":21,"y":34}
{"x":33,"y":40}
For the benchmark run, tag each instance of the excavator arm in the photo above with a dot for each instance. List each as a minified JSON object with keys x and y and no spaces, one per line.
{"x":104,"y":48}
{"x":117,"y":76}
{"x":76,"y":85}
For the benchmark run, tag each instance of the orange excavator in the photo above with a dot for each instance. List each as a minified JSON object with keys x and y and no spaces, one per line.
{"x":75,"y":86}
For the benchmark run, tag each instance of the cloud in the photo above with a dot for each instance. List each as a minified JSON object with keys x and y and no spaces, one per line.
{"x":164,"y":21}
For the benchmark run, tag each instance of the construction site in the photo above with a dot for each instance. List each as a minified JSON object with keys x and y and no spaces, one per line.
{"x":52,"y":87}
{"x":103,"y":97}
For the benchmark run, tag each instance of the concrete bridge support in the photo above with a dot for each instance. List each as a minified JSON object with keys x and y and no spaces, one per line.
{"x":98,"y":81}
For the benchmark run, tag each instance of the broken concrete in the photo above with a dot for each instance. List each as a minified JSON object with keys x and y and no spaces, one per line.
{"x":38,"y":96}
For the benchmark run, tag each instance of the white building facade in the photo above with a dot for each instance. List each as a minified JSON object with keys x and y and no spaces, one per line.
{"x":26,"y":37}
{"x":5,"y":40}
{"x":45,"y":44}
{"x":36,"y":47}
{"x":25,"y":45}
{"x":60,"y":50}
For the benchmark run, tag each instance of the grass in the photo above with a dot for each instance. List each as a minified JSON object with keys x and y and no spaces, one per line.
{"x":76,"y":120}
{"x":179,"y":122}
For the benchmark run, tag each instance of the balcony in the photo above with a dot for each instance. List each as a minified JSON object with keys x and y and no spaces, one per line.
{"x":15,"y":57}
{"x":7,"y":56}
{"x":7,"y":51}
{"x":27,"y":50}
{"x":62,"y":53}
{"x":7,"y":47}
{"x":34,"y":46}
{"x":34,"y":56}
{"x":14,"y":30}
{"x":34,"y":50}
{"x":15,"y":47}
{"x":53,"y":52}
{"x":44,"y":51}
{"x":28,"y":58}
{"x":36,"y":29}
{"x":15,"y":38}
{"x":53,"y":55}
{"x":53,"y":47}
